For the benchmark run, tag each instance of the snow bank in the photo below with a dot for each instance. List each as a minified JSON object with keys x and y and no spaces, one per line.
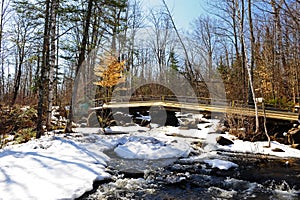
{"x":135,"y":147}
{"x":241,"y":146}
{"x":260,"y":148}
{"x":49,"y":168}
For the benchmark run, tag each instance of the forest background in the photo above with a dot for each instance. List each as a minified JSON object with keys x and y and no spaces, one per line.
{"x":43,"y":45}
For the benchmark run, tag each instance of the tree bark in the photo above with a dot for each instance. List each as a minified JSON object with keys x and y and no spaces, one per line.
{"x":2,"y":90}
{"x":280,"y":62}
{"x":52,"y":61}
{"x":68,"y":128}
{"x":18,"y":77}
{"x":241,"y":13}
{"x":45,"y":62}
{"x":252,"y":43}
{"x":242,"y":36}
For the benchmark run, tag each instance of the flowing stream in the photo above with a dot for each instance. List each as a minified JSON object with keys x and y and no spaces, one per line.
{"x":256,"y":177}
{"x":136,"y":167}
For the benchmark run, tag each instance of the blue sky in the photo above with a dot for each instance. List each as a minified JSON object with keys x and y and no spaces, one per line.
{"x":184,"y":11}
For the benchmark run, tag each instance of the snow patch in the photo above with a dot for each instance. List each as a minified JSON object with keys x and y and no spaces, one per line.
{"x":221,"y":164}
{"x":50,"y":168}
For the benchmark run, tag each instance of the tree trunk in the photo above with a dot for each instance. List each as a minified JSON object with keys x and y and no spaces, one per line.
{"x":236,"y":45}
{"x":241,"y":13}
{"x":52,"y":61}
{"x":83,"y":45}
{"x":279,"y":56}
{"x":2,"y":91}
{"x":17,"y":82}
{"x":265,"y":124}
{"x":252,"y":42}
{"x":45,"y":62}
{"x":20,"y":43}
{"x":241,"y":35}
{"x":235,"y":32}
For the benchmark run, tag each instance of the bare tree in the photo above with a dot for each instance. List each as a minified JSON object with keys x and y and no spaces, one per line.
{"x":189,"y":71}
{"x":161,"y":33}
{"x":1,"y":35}
{"x":280,"y":61}
{"x":228,"y":30}
{"x":22,"y":34}
{"x":252,"y":43}
{"x":52,"y":59}
{"x":205,"y":35}
{"x":4,"y":10}
{"x":248,"y":65}
{"x":81,"y":58}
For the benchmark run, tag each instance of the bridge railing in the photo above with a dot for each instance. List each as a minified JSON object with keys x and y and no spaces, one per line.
{"x":182,"y":99}
{"x":167,"y":98}
{"x":232,"y":106}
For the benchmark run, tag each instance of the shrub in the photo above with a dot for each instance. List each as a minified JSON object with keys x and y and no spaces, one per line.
{"x":17,"y":121}
{"x":24,"y":135}
{"x":281,"y":103}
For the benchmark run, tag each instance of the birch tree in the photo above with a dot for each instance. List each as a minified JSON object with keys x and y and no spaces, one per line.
{"x":248,"y":65}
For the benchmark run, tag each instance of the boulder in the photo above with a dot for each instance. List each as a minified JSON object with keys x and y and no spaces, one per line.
{"x":171,"y":119}
{"x":223,"y":141}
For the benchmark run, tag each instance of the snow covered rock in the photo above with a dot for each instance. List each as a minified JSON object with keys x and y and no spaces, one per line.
{"x":150,"y":148}
{"x":221,"y":164}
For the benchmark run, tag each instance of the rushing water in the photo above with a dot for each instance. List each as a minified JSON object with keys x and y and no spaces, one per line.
{"x":136,"y":167}
{"x":257,"y":177}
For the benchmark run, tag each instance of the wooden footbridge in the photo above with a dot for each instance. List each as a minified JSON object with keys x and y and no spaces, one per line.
{"x":195,"y":104}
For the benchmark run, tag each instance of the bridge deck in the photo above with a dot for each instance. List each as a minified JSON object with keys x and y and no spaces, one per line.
{"x":246,"y":111}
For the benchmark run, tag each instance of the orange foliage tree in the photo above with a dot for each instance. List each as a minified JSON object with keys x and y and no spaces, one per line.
{"x":111,"y":73}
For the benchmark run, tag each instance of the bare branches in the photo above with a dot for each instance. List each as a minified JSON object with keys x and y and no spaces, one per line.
{"x":190,"y":71}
